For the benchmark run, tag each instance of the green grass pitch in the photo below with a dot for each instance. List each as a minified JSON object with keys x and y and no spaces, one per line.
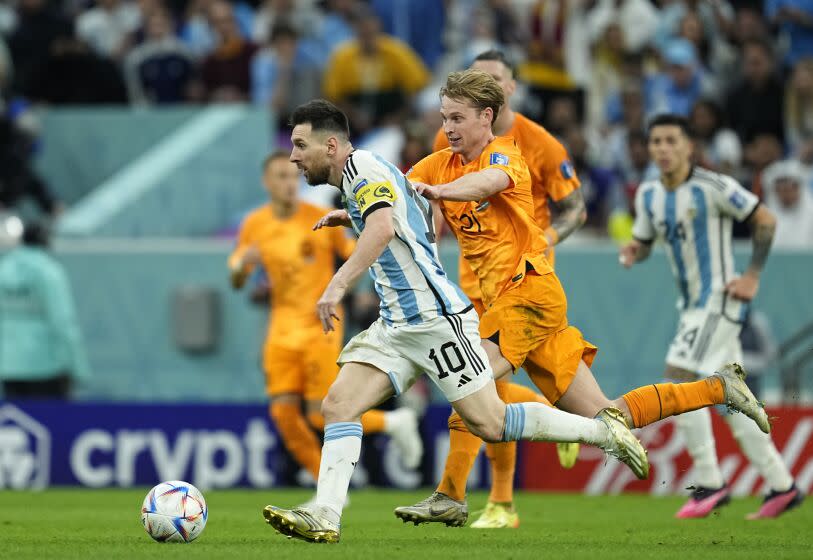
{"x":85,"y":524}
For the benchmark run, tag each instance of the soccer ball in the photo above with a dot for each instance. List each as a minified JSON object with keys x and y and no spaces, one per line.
{"x":174,"y":511}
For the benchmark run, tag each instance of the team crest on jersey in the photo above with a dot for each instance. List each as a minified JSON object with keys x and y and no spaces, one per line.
{"x":383,"y":191}
{"x":737,"y":200}
{"x":359,"y":185}
{"x":566,"y":168}
{"x":498,"y":159}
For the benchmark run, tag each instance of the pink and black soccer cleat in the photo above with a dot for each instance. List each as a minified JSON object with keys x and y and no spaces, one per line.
{"x":777,"y":503}
{"x":703,"y":501}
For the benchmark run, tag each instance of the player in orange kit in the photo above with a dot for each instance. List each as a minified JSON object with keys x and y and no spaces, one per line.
{"x":483,"y":188}
{"x":299,"y":360}
{"x":552,"y":177}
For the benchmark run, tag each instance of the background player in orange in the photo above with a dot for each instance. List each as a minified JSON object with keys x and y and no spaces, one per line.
{"x":483,"y":187}
{"x":552,"y":177}
{"x":299,"y":360}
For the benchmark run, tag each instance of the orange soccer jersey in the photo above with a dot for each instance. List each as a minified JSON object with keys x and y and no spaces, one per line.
{"x":552,"y":176}
{"x":497,"y":236}
{"x":299,"y":263}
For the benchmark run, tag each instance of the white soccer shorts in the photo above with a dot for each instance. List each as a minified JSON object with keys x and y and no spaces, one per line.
{"x":446,"y":348}
{"x":705,"y":341}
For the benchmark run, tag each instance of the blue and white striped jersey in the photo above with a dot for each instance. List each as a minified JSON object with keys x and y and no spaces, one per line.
{"x":409,"y":280}
{"x":695,"y":222}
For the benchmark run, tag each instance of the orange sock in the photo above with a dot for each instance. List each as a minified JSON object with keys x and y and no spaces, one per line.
{"x":372,"y":422}
{"x":655,"y":402}
{"x":297,"y":435}
{"x":463,"y":449}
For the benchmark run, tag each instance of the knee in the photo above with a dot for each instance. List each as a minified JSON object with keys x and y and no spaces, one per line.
{"x":487,"y":429}
{"x":337,"y":407}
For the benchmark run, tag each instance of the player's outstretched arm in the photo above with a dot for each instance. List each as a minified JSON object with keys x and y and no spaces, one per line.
{"x":763,"y":226}
{"x":634,"y":252}
{"x":241,"y":265}
{"x":334,"y":218}
{"x":571,"y":214}
{"x":377,"y":233}
{"x":470,"y":187}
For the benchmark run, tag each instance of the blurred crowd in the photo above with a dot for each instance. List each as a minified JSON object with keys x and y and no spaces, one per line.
{"x":591,"y":71}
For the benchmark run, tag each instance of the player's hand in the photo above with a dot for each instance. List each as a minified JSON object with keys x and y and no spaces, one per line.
{"x":629,"y":254}
{"x":744,"y":287}
{"x":251,"y":257}
{"x":327,"y":308}
{"x":429,"y":192}
{"x":334,"y":218}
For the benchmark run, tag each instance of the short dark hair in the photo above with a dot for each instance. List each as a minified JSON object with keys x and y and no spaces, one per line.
{"x":499,"y":56}
{"x":321,"y":115}
{"x":275,"y":155}
{"x":670,"y":119}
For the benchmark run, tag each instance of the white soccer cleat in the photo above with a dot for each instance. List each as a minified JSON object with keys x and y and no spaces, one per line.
{"x":437,"y":508}
{"x":622,"y":444}
{"x":740,"y":398}
{"x":402,"y":426}
{"x":307,"y":524}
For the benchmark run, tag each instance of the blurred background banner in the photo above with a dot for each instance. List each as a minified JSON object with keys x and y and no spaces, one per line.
{"x":223,"y":446}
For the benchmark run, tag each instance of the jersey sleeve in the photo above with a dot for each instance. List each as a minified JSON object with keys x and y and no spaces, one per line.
{"x":559,"y":174}
{"x":507,"y":158}
{"x":422,"y":172}
{"x":734,"y":200}
{"x":373,"y":187}
{"x":245,"y":237}
{"x":643,"y":229}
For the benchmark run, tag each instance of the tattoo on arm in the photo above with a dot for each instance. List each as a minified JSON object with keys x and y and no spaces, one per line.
{"x":762,"y":239}
{"x":570,"y":214}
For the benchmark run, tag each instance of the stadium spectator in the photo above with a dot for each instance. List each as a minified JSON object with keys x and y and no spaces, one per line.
{"x":749,"y":26}
{"x":108,"y":28}
{"x":760,"y":87}
{"x":795,"y":21}
{"x":30,"y":44}
{"x":18,"y":180}
{"x":41,"y":349}
{"x":302,"y":16}
{"x":606,"y":75}
{"x":75,"y":75}
{"x":195,"y":30}
{"x":715,"y":146}
{"x":282,"y":75}
{"x":684,"y":82}
{"x":373,"y":77}
{"x":161,"y":69}
{"x":799,"y":104}
{"x":226,"y":72}
{"x":786,"y":194}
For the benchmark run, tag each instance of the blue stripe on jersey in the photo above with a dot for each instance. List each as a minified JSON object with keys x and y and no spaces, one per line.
{"x":701,"y":244}
{"x":417,"y":223}
{"x":399,"y":283}
{"x":648,"y":202}
{"x":670,"y":214}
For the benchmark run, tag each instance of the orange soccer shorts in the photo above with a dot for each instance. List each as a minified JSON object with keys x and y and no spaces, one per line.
{"x":308,"y":370}
{"x":531,"y":320}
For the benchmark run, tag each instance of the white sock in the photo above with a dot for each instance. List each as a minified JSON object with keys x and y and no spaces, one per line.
{"x":695,"y":427}
{"x":539,"y":422}
{"x":761,"y":451}
{"x":340,"y":453}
